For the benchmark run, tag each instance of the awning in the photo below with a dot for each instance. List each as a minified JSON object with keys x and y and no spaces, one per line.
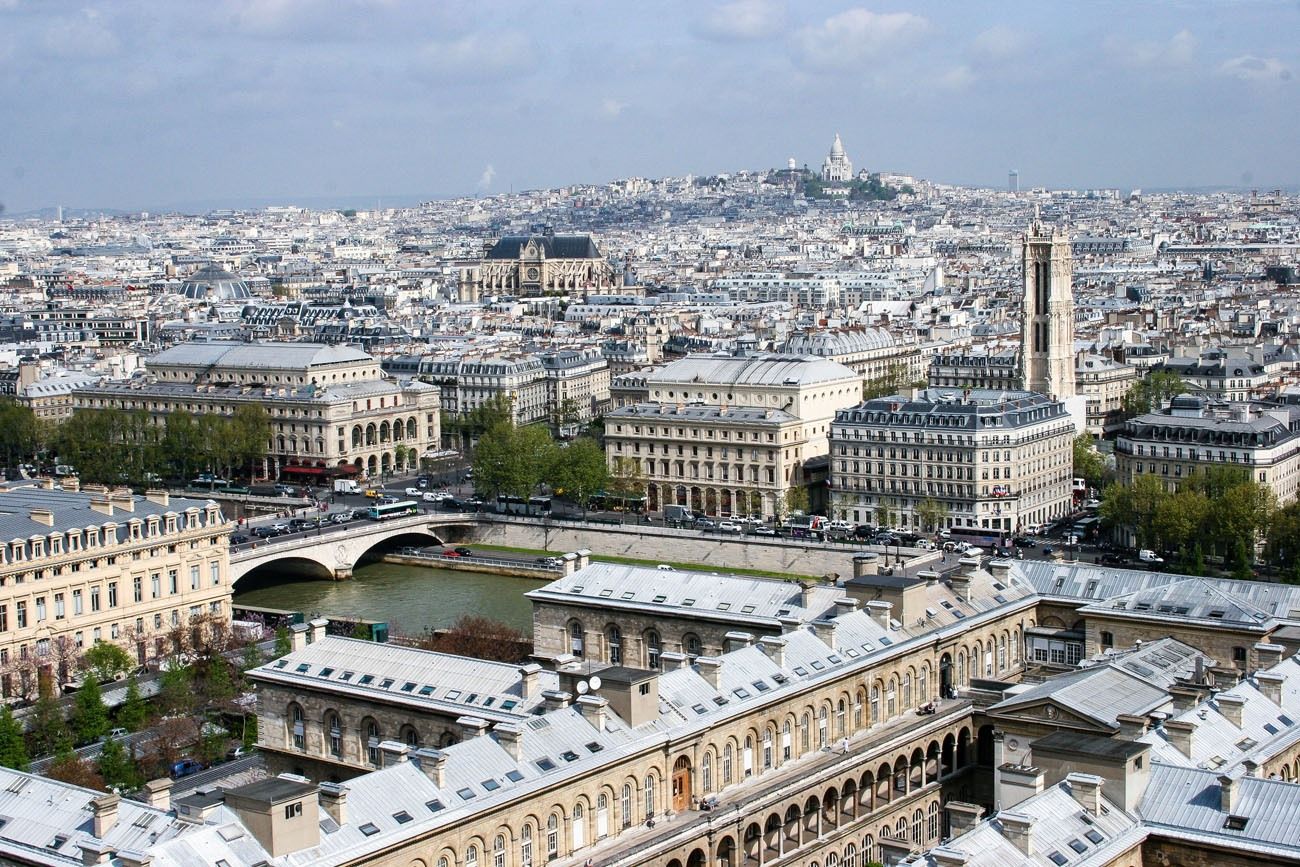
{"x":309,"y":471}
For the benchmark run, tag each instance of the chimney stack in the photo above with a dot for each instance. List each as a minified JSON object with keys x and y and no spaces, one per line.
{"x":671,"y":660}
{"x":865,"y":564}
{"x":710,"y":668}
{"x":298,"y":636}
{"x":1227,"y":794}
{"x":434,"y":765}
{"x":393,"y":752}
{"x":334,"y":800}
{"x":157,"y":496}
{"x":594,"y":709}
{"x":789,"y":624}
{"x":1086,"y":789}
{"x":529,"y":675}
{"x":738,"y":640}
{"x":1270,"y":685}
{"x":1269,"y":655}
{"x":556,"y":699}
{"x":960,"y":585}
{"x":42,"y":516}
{"x":158,"y":793}
{"x":774,"y":648}
{"x":318,"y":628}
{"x":105,"y":811}
{"x":508,"y":736}
{"x":1019,"y":830}
{"x":962,"y":817}
{"x":845,"y":605}
{"x":1230,"y":706}
{"x":825,"y":630}
{"x":1182,"y":735}
{"x":473,"y":727}
{"x":805,"y":594}
{"x":880,"y":611}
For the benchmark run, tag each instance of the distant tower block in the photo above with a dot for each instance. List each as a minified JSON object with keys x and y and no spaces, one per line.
{"x":1013,"y":180}
{"x":468,"y":286}
{"x":792,"y":164}
{"x":1047,"y":329}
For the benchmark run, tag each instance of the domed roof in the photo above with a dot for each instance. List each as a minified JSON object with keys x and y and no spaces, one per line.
{"x":212,"y":283}
{"x":837,"y":149}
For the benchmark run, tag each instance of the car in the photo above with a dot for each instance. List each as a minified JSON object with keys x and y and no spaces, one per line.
{"x":340,"y":518}
{"x":373,"y":493}
{"x":1024,"y":542}
{"x":764,"y":531}
{"x":185,"y":767}
{"x":279,"y":528}
{"x":422,"y":482}
{"x":238,"y":538}
{"x":728,"y":527}
{"x":414,"y":492}
{"x":972,"y":551}
{"x":705,"y":524}
{"x":430,"y":497}
{"x":465,"y":552}
{"x":925,"y":544}
{"x":113,"y":734}
{"x":265,"y":532}
{"x":238,"y":751}
{"x":298,"y":523}
{"x":943,"y":534}
{"x":550,"y":562}
{"x":450,"y":553}
{"x":1048,"y":551}
{"x":664,"y":567}
{"x":1111,"y":560}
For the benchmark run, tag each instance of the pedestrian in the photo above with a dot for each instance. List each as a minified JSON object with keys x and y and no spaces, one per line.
{"x":844,"y":746}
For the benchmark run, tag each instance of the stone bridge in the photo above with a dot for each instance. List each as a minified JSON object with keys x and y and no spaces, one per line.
{"x":339,"y":548}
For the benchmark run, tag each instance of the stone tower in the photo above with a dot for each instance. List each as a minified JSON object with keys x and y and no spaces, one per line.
{"x":1047,"y":329}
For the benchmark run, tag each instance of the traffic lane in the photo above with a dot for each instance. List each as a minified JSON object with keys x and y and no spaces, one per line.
{"x":324,"y":529}
{"x":215,"y":774}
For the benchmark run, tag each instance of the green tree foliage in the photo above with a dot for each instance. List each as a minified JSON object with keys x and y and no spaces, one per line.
{"x":13,"y":749}
{"x":1283,"y":547}
{"x":932,"y":514}
{"x":626,"y":479}
{"x":796,"y":500}
{"x":48,"y":728}
{"x":467,"y":428}
{"x":251,"y":657}
{"x":105,"y":660}
{"x":131,"y":715}
{"x":176,"y":690}
{"x":117,"y":768}
{"x":19,"y":432}
{"x":893,"y":381}
{"x":182,"y":444}
{"x":1088,"y":464}
{"x":1151,"y":393}
{"x":580,"y":471}
{"x":218,"y":685}
{"x":566,"y":417}
{"x":89,"y":714}
{"x":514,"y":461}
{"x":283,"y":643}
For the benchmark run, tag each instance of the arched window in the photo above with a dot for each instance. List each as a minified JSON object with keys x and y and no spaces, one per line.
{"x":553,"y":837}
{"x":576,"y":638}
{"x":823,"y":728}
{"x":471,"y":856}
{"x":868,"y":848}
{"x":334,"y":726}
{"x":727,"y":757}
{"x":499,"y":851}
{"x":296,"y":724}
{"x":747,"y":757}
{"x":932,"y":828}
{"x":691,"y":644}
{"x":372,"y":742}
{"x":923,"y":685}
{"x":602,"y":816}
{"x":832,"y":860}
{"x":706,"y":772}
{"x":649,"y":796}
{"x":625,"y":806}
{"x":442,"y":862}
{"x":907,"y":690}
{"x":411,"y":737}
{"x":614,"y":637}
{"x":526,"y":846}
{"x":857,"y":711}
{"x":891,"y":699}
{"x":786,"y":747}
{"x":850,"y":855}
{"x":917,"y":818}
{"x":1002,"y":653}
{"x":875,"y":705}
{"x":900,"y":828}
{"x":767,"y":749}
{"x":653,"y":647}
{"x":578,"y":833}
{"x":841,"y":719}
{"x":805,"y":732}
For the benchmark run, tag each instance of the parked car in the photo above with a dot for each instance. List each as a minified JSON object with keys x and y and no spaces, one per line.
{"x":764,"y":531}
{"x":550,"y":562}
{"x":296,"y":524}
{"x":265,"y":532}
{"x":280,"y":529}
{"x":238,"y":751}
{"x":373,"y":493}
{"x":705,"y":524}
{"x":185,"y":767}
{"x":339,"y":518}
{"x":1024,"y":542}
{"x":728,"y":527}
{"x":1148,"y":556}
{"x":414,"y":492}
{"x":238,"y":538}
{"x":465,"y":552}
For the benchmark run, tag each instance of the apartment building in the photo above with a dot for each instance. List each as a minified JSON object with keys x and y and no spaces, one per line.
{"x":995,"y":460}
{"x":1196,"y":432}
{"x":332,"y":410}
{"x":873,"y":352}
{"x":469,"y":381}
{"x":82,"y":566}
{"x":1103,"y":382}
{"x":576,"y":378}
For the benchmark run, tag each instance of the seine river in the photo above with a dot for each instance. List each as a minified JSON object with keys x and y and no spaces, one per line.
{"x":409,"y":598}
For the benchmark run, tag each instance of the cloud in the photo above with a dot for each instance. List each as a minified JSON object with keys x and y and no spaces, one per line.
{"x":611,"y":107}
{"x":957,"y":78}
{"x":855,"y":36}
{"x":1178,"y":51}
{"x":482,"y":56}
{"x":485,"y":179}
{"x":1248,"y":67}
{"x":744,"y":21}
{"x":82,"y":36}
{"x":996,"y":44}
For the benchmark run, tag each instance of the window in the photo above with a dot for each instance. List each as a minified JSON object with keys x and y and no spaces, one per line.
{"x":823,"y":728}
{"x":805,"y":732}
{"x":1238,"y":654}
{"x":767,"y":749}
{"x":137,"y":588}
{"x":625,"y":806}
{"x":214,"y":570}
{"x":691,"y":644}
{"x":649,"y":796}
{"x":1107,"y":639}
{"x":295,"y":716}
{"x":728,"y":755}
{"x":575,"y":638}
{"x":155,"y":582}
{"x":172,"y":581}
{"x":786,"y":748}
{"x":40,"y":609}
{"x":22,"y":614}
{"x":706,"y":772}
{"x":94,"y":598}
{"x":335,"y":726}
{"x":292,"y":811}
{"x":614,"y":637}
{"x":77,"y":607}
{"x":653,"y":648}
{"x":499,"y":851}
{"x":471,"y":856}
{"x":526,"y":846}
{"x":372,"y":742}
{"x":553,"y":837}
{"x":112,"y":594}
{"x":194,"y":577}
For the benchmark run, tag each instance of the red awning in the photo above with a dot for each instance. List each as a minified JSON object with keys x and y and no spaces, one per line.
{"x":310,"y":471}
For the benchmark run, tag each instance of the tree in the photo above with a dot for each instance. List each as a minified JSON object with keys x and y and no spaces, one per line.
{"x":249,"y":432}
{"x":251,"y":658}
{"x":131,"y":715}
{"x":175,"y":693}
{"x":68,"y":767}
{"x":218,"y":685}
{"x":105,"y":660}
{"x":283,"y":643}
{"x":885,"y":516}
{"x":1088,"y":464}
{"x":1135,"y":506}
{"x":796,"y":500}
{"x":19,"y":432}
{"x":13,"y":750}
{"x":1283,"y":546}
{"x":535,"y":457}
{"x":495,"y":460}
{"x":566,"y":418}
{"x":625,"y":479}
{"x":932,"y":514}
{"x":181,"y":443}
{"x":892,"y":381}
{"x":47,"y":729}
{"x":1177,"y":521}
{"x":580,"y":471}
{"x":89,"y":714}
{"x":480,"y":637}
{"x":1151,"y":393}
{"x":117,"y":768}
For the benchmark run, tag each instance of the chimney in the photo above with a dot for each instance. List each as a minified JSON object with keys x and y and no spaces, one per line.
{"x":805,"y":594}
{"x":1001,"y":569}
{"x":318,"y":627}
{"x":393,"y":752}
{"x":845,"y":605}
{"x":1182,"y":735}
{"x":46,"y":483}
{"x":738,"y":640}
{"x":568,"y":564}
{"x":298,"y":636}
{"x":158,"y":793}
{"x":969,"y":566}
{"x":1269,"y":655}
{"x":556,"y":699}
{"x":473,"y":727}
{"x":1230,"y":706}
{"x":101,"y":504}
{"x":334,"y":801}
{"x":94,"y":851}
{"x":963,"y":817}
{"x":1270,"y":685}
{"x":825,"y":630}
{"x":789,"y":624}
{"x":105,"y":811}
{"x":710,"y":668}
{"x":42,"y":516}
{"x":132,"y":858}
{"x":157,"y":496}
{"x":594,"y":709}
{"x":945,"y":857}
{"x":433,"y":763}
{"x":1131,"y":726}
{"x":123,"y":500}
{"x":1086,"y":789}
{"x":583,"y":556}
{"x":529,"y":676}
{"x":931,"y":577}
{"x":866,"y":564}
{"x":1250,"y":766}
{"x":774,"y":648}
{"x":72,"y":483}
{"x":1227,"y":794}
{"x":880,"y":611}
{"x":508,"y":736}
{"x":1019,"y":830}
{"x":670,"y":660}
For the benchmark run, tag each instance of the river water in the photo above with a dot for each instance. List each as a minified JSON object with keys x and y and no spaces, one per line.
{"x":410,"y":599}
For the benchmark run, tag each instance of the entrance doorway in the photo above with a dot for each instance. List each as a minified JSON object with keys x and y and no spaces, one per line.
{"x":945,"y":676}
{"x":681,"y":784}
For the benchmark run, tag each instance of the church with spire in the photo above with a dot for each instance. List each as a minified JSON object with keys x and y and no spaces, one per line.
{"x":837,"y":167}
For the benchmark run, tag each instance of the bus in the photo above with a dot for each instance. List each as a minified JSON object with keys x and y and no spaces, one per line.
{"x":979,"y":537}
{"x":507,"y":505}
{"x":806,"y":526}
{"x":400,"y":509}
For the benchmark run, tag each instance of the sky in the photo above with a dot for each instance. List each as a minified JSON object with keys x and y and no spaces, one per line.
{"x":162,"y":104}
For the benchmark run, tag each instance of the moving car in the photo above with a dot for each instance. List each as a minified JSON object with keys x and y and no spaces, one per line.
{"x":764,"y":531}
{"x":185,"y":767}
{"x":728,"y":527}
{"x":450,"y":553}
{"x":465,"y":552}
{"x":1148,"y":556}
{"x":414,"y":492}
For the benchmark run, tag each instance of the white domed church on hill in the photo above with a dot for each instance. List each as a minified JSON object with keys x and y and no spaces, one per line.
{"x":837,"y":166}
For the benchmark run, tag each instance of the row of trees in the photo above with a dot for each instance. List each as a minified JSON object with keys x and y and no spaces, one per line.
{"x":518,"y":461}
{"x":1219,"y":511}
{"x":111,"y":446}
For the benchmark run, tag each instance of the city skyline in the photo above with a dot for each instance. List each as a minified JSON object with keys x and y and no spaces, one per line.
{"x":130,"y":106}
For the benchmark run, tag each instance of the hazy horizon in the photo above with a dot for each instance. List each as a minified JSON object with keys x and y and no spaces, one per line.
{"x":132,"y":106}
